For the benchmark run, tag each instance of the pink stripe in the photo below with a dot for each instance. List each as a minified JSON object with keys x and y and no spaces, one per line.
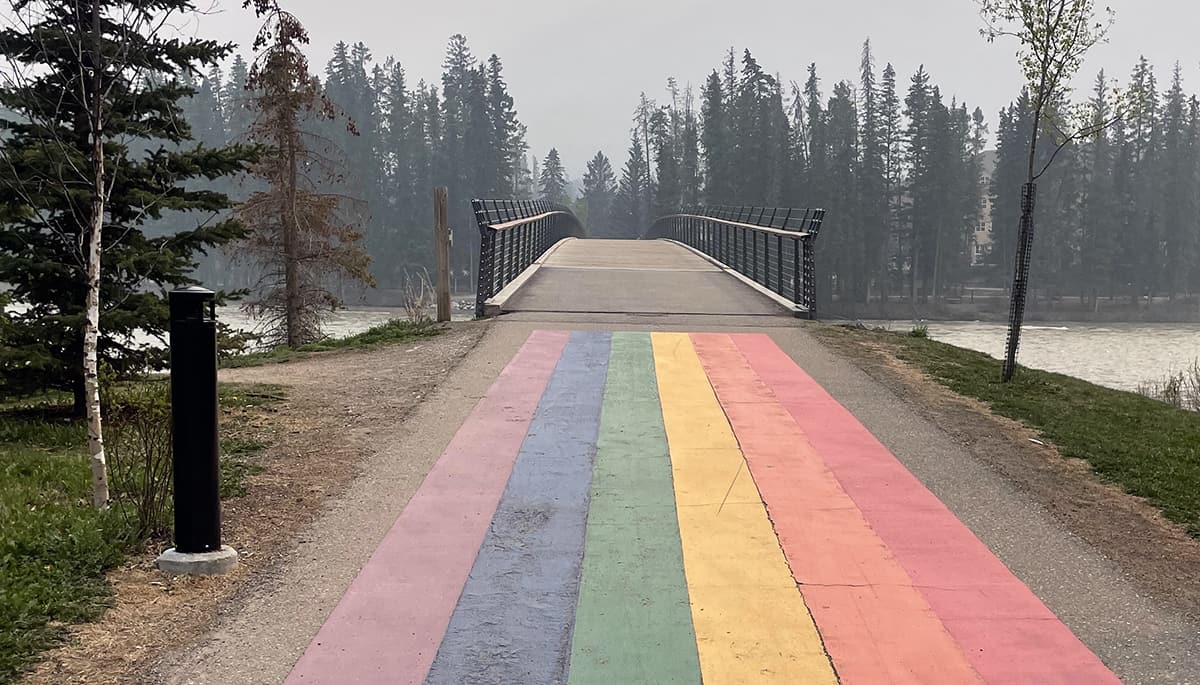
{"x":388,"y":625}
{"x":876,"y":627}
{"x":1006,"y":632}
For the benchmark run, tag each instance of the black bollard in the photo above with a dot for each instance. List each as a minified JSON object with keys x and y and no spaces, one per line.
{"x":195,"y":442}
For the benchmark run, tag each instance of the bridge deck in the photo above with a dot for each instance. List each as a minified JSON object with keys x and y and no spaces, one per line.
{"x":635,"y":277}
{"x":681,"y":508}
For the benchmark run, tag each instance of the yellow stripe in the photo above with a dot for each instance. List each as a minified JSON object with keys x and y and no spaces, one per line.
{"x":752,"y":625}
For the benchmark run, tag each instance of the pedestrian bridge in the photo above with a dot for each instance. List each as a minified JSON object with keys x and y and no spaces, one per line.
{"x":580,"y":276}
{"x":720,"y":261}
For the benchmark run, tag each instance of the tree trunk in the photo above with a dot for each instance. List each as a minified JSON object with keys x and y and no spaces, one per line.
{"x":291,"y":256}
{"x":91,"y":337}
{"x":1020,"y":281}
{"x":91,"y":324}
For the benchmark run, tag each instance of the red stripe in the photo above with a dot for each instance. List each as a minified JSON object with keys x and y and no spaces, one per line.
{"x":388,"y":626}
{"x":877,"y":628}
{"x":1006,"y":632}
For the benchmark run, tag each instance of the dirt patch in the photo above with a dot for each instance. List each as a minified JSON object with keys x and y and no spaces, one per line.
{"x":320,"y":435}
{"x":1158,"y":556}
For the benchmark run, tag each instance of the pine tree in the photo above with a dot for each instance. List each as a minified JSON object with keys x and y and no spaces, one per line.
{"x":632,"y":213}
{"x":816,"y":144}
{"x":94,"y":149}
{"x":715,"y":138}
{"x":689,"y":154}
{"x":1100,"y":239}
{"x":599,"y":196}
{"x":553,"y":180}
{"x":919,"y":110}
{"x":668,"y":196}
{"x":303,"y":237}
{"x":505,"y":136}
{"x":1177,"y":181}
{"x":891,"y":142}
{"x":872,"y":182}
{"x":845,"y":251}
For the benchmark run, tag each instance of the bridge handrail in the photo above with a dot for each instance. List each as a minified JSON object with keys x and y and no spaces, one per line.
{"x":756,"y":227}
{"x":513,"y":234}
{"x":517,"y":223}
{"x":774,"y":247}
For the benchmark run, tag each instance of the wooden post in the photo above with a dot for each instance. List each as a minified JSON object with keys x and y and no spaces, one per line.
{"x":441,"y":248}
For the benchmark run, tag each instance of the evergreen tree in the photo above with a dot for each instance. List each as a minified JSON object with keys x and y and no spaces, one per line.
{"x":553,"y":181}
{"x":632,"y":213}
{"x":716,"y":142}
{"x":891,"y":134}
{"x":920,"y":111}
{"x":689,"y":155}
{"x":845,"y":251}
{"x":1178,"y":182}
{"x":599,"y":196}
{"x":304,"y":238}
{"x":873,"y":196}
{"x":1100,"y":239}
{"x":668,"y":197}
{"x":504,"y":135}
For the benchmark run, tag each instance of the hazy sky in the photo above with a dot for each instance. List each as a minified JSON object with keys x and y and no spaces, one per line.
{"x":575,"y":67}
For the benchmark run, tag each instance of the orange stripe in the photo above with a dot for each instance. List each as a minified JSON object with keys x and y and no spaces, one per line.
{"x":877,"y":627}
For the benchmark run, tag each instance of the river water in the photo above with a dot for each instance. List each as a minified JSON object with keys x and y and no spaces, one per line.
{"x":1116,"y":355}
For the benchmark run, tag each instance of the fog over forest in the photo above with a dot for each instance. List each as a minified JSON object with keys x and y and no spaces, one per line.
{"x":922,"y":187}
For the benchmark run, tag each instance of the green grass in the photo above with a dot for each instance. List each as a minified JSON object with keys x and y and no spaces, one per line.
{"x":1149,"y":448}
{"x":392,"y":332}
{"x":54,"y":547}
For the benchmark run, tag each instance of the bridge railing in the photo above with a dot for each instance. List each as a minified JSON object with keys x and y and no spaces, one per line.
{"x":513,"y":234}
{"x":771,"y":246}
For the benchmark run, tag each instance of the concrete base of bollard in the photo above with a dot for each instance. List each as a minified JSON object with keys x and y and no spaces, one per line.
{"x":203,"y":564}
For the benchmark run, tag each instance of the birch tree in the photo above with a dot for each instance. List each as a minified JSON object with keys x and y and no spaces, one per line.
{"x":1053,"y":37}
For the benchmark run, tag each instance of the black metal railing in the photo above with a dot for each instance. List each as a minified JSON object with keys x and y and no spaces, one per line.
{"x":513,"y":234}
{"x":771,"y":246}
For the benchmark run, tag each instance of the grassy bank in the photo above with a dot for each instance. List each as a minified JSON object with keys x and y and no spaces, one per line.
{"x":54,"y":547}
{"x":1149,"y":448}
{"x":390,"y":333}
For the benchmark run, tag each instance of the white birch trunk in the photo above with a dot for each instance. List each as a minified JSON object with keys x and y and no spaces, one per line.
{"x":91,"y":336}
{"x":91,"y":325}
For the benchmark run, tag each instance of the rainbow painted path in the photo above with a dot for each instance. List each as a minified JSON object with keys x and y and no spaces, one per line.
{"x":669,"y":508}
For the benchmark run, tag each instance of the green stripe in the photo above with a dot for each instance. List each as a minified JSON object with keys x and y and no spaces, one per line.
{"x":634,"y":623}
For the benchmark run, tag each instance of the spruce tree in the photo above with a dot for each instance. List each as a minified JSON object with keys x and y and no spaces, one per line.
{"x":668,"y":196}
{"x":891,"y":144}
{"x":95,"y":147}
{"x":632,"y":212}
{"x":716,"y":143}
{"x":553,"y":180}
{"x":1177,"y":181}
{"x":872,"y":183}
{"x":599,"y":196}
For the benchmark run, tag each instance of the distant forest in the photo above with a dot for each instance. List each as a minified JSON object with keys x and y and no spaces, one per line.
{"x":921,"y":202}
{"x":923,"y":198}
{"x":403,"y":140}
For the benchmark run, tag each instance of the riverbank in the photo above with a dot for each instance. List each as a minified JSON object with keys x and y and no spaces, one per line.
{"x":1121,"y":471}
{"x":309,"y":443}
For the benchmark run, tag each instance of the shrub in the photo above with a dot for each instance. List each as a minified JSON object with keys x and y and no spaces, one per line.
{"x":138,"y":435}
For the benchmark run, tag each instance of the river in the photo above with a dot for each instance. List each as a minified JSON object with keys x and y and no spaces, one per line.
{"x":1116,"y":355}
